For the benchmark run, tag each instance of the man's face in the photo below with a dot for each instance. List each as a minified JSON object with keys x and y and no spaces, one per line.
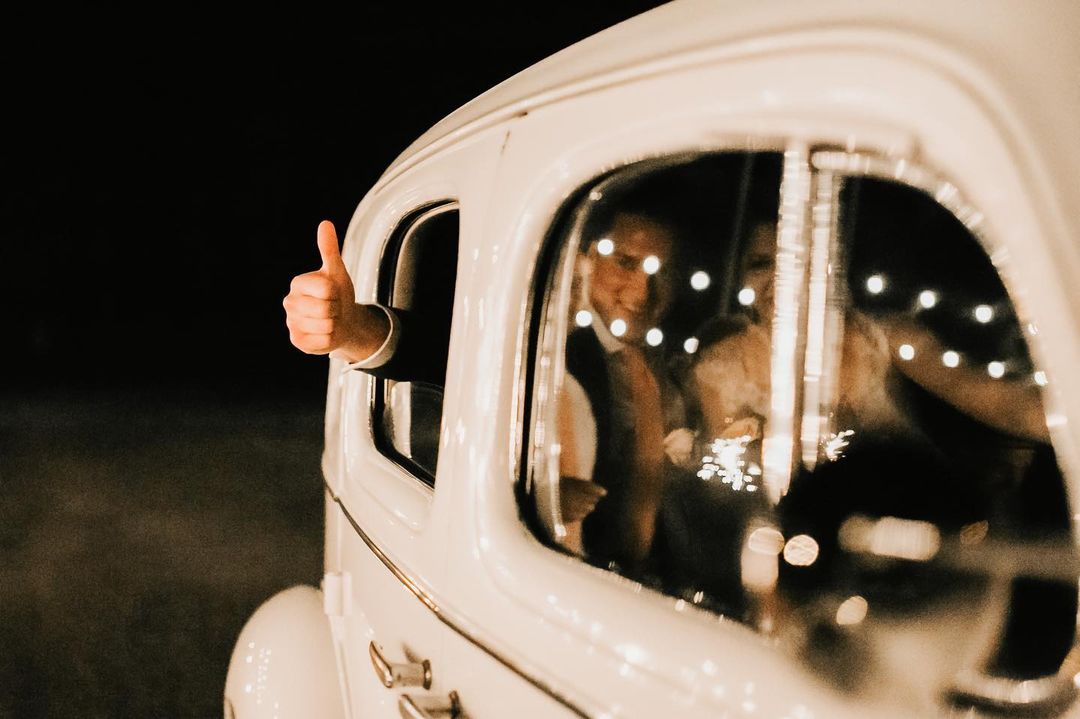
{"x":632,"y":279}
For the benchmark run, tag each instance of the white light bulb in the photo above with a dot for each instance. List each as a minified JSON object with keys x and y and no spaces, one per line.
{"x":583,"y":318}
{"x":907,"y":352}
{"x":984,"y":313}
{"x":618,"y":328}
{"x":605,"y":247}
{"x":950,"y":359}
{"x":996,"y":369}
{"x":700,"y":280}
{"x":927,"y":299}
{"x":651,"y":265}
{"x":747,"y":296}
{"x":654,"y":337}
{"x":875,"y":284}
{"x":690,"y":345}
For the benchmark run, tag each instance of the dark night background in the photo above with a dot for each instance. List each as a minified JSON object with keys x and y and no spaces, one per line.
{"x":162,"y":176}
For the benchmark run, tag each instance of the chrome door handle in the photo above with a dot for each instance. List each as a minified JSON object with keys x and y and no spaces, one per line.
{"x":407,"y":674}
{"x":412,"y":707}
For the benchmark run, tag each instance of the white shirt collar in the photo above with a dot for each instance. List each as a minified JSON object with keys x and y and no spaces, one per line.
{"x":608,"y":341}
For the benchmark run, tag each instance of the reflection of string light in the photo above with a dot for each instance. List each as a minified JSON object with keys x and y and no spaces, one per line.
{"x":583,"y":318}
{"x":974,"y":533}
{"x":875,"y":284}
{"x":927,"y":299}
{"x":836,"y":442}
{"x":700,"y":280}
{"x":596,"y":195}
{"x":651,"y":265}
{"x":747,"y":296}
{"x":654,"y":337}
{"x":910,"y":539}
{"x":950,"y":359}
{"x":1032,"y":329}
{"x":690,"y":345}
{"x":907,"y":352}
{"x":996,"y":369}
{"x":758,"y":563}
{"x":1040,"y":378}
{"x":618,"y":328}
{"x":765,"y":540}
{"x":605,"y":247}
{"x":801,"y":550}
{"x":727,"y":463}
{"x":851,"y":611}
{"x":984,"y":313}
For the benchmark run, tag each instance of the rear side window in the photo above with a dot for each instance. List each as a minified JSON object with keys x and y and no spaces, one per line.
{"x":417,"y":279}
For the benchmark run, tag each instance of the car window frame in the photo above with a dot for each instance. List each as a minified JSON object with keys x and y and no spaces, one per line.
{"x":386,"y":280}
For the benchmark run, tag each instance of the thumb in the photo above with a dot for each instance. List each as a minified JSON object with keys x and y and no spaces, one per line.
{"x":328,"y":249}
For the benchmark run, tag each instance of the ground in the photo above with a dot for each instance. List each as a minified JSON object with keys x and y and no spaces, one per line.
{"x":137,"y":535}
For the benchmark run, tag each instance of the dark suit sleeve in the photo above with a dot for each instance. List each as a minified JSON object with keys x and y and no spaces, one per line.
{"x":422,"y":346}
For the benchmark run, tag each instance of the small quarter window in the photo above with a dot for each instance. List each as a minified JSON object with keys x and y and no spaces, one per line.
{"x":417,"y":280}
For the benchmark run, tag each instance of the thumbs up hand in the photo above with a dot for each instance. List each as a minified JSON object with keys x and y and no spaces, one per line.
{"x":321,"y":311}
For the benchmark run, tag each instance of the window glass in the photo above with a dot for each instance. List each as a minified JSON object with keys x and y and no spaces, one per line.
{"x":648,"y":436}
{"x":935,"y":478}
{"x":922,"y":551}
{"x":417,"y":280}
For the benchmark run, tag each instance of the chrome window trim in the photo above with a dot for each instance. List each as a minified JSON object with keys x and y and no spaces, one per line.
{"x":415,"y":217}
{"x":455,"y":623}
{"x":787,"y":339}
{"x":921,"y":177}
{"x":824,"y":321}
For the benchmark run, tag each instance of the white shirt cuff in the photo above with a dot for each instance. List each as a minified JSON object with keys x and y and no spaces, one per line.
{"x":382,"y":355}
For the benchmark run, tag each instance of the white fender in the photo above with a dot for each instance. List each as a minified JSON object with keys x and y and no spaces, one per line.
{"x":283,"y":663}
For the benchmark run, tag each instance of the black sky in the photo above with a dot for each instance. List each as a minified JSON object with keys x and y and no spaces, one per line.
{"x":163,"y":174}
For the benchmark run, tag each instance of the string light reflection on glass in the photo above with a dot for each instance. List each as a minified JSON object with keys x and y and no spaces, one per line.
{"x":801,"y":550}
{"x":851,"y":611}
{"x":700,"y":280}
{"x":1040,"y":378}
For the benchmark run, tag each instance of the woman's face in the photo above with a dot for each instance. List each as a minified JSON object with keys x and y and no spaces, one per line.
{"x":757,"y":270}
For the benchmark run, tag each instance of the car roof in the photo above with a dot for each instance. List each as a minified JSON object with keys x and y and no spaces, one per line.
{"x":1029,"y":51}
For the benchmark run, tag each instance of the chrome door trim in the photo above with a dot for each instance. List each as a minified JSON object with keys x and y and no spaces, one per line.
{"x":454,"y":623}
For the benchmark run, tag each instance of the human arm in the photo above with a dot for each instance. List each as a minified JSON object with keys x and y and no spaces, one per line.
{"x":321,"y":310}
{"x":1009,"y":405}
{"x":323,"y":317}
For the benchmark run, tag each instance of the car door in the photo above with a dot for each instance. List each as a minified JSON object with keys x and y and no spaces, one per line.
{"x":387,"y":439}
{"x":546,"y":625}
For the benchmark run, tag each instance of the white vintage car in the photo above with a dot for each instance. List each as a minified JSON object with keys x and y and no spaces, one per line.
{"x":761,"y":388}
